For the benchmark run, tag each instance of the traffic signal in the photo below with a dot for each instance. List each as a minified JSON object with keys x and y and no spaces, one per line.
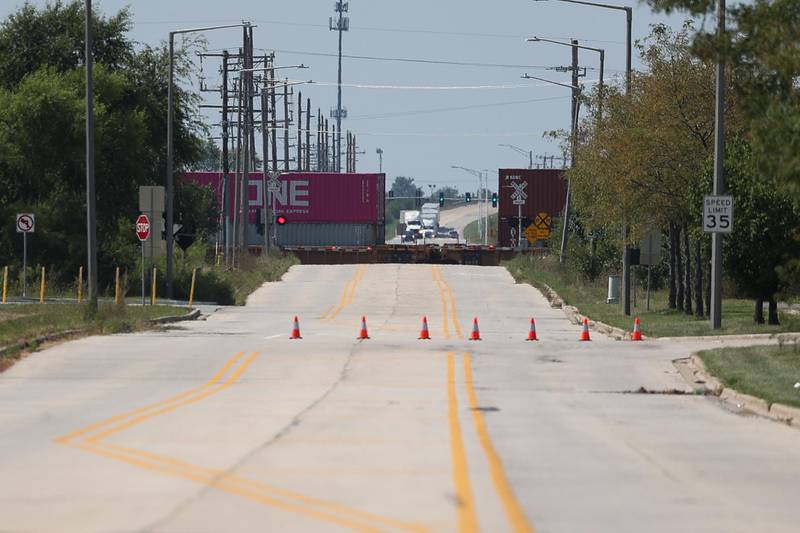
{"x":280,"y":220}
{"x":441,"y":199}
{"x":494,"y":199}
{"x":468,"y":197}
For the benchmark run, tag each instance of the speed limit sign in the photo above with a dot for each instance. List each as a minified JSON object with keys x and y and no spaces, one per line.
{"x":718,"y":214}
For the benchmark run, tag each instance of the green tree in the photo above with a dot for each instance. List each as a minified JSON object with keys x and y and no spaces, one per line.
{"x":42,"y":118}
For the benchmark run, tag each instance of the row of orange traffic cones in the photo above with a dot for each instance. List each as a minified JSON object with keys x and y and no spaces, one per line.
{"x":475,"y":335}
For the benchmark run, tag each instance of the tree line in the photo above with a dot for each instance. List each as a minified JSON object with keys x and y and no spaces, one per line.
{"x":645,"y":157}
{"x":42,"y":132}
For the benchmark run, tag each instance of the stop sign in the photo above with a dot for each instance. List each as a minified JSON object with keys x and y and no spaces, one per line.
{"x":143,"y":227}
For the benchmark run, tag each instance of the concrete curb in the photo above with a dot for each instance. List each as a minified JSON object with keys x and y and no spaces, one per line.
{"x":782,"y":338}
{"x":574,"y":316}
{"x":776,"y":411}
{"x":51,"y":337}
{"x":60,"y":335}
{"x":194,"y":315}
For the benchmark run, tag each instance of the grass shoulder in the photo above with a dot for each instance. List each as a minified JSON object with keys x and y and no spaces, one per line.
{"x":24,"y":323}
{"x":659,"y":321}
{"x":767,"y":372}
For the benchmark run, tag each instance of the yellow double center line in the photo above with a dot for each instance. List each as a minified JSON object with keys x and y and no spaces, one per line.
{"x":449,"y":311}
{"x":467,"y":513}
{"x":348,"y":293}
{"x":91,"y":439}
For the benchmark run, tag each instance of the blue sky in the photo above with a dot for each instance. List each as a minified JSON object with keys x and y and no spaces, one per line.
{"x":420,"y":137}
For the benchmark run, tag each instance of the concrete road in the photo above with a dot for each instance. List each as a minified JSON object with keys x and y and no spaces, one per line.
{"x":460,"y":217}
{"x":227,"y":425}
{"x":457,"y":219}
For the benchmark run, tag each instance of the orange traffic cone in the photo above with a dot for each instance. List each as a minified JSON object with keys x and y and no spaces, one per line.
{"x":585,"y":332}
{"x":637,"y":330}
{"x":423,"y":333}
{"x":532,"y":332}
{"x":363,"y":333}
{"x":476,"y":332}
{"x":295,"y":330}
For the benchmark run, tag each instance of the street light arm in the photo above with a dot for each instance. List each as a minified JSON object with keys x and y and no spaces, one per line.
{"x":543,"y":40}
{"x":209,"y":28}
{"x":470,"y":170}
{"x":596,"y":4}
{"x":567,"y":85}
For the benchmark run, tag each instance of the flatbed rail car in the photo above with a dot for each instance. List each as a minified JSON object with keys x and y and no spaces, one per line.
{"x":398,"y":253}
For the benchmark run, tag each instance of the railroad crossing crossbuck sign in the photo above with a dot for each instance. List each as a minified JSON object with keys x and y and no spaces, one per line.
{"x":519,"y":195}
{"x":26,"y":223}
{"x":274,"y":182}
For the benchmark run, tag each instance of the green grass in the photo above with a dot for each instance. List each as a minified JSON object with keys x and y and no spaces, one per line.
{"x":768,"y":372}
{"x":25,"y":322}
{"x":472,"y":232}
{"x":660,"y":321}
{"x":254,"y":272}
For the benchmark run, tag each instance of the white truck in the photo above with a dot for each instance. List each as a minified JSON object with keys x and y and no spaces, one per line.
{"x":430,"y":217}
{"x":409,"y":224}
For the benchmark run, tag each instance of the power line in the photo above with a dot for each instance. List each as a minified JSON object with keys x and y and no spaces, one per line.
{"x":460,"y":108}
{"x":379,"y":29}
{"x":428,"y":87}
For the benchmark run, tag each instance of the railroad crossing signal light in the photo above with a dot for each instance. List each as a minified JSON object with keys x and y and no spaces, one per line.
{"x":494,"y":199}
{"x":280,"y":220}
{"x":468,"y":197}
{"x":441,"y":199}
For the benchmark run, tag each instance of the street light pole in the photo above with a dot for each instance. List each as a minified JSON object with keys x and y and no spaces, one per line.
{"x":91,"y":196}
{"x":170,"y":148}
{"x":719,"y":178}
{"x":575,"y":111}
{"x":379,"y":151}
{"x":626,"y":266}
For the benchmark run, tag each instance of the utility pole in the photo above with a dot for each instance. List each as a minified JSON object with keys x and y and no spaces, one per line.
{"x":308,"y":135}
{"x":274,"y":112}
{"x":286,"y":125}
{"x":91,"y":196}
{"x":573,"y":142}
{"x":245,"y":136}
{"x":299,"y":131}
{"x":264,"y":149}
{"x":226,"y":213}
{"x":719,"y":177}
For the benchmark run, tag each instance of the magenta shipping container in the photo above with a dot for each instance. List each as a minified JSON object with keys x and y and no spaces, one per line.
{"x":310,"y":197}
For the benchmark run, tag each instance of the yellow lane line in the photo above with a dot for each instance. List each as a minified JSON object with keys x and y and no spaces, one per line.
{"x":445,"y":328}
{"x":253,"y":490}
{"x":172,"y":407}
{"x":223,"y":485}
{"x":467,"y":519}
{"x":216,"y":378}
{"x":516,"y":516}
{"x":348,"y":293}
{"x":359,"y":277}
{"x":218,"y":476}
{"x":453,"y":311}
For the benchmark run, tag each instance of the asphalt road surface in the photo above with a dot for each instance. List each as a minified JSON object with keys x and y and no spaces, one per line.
{"x":227,"y":425}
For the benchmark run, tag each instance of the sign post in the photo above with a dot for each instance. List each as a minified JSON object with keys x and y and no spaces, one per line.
{"x":518,"y":197}
{"x":143,"y":233}
{"x":717,"y":220}
{"x":26,"y":223}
